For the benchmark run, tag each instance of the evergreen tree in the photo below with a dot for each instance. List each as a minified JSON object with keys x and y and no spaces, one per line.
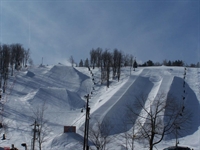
{"x":86,"y":64}
{"x":178,"y":63}
{"x":81,"y":63}
{"x":198,"y":65}
{"x":150,"y":63}
{"x":135,"y":65}
{"x":169,"y":63}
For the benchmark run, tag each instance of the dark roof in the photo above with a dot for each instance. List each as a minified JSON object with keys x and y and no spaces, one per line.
{"x":177,"y":148}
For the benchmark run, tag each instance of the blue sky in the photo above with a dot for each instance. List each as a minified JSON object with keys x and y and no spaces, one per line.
{"x":147,"y":29}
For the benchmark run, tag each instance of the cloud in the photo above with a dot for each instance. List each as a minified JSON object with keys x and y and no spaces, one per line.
{"x":56,"y":30}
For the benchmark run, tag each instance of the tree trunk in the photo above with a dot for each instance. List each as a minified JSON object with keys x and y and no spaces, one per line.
{"x":12,"y":70}
{"x":4,"y":86}
{"x":151,"y":141}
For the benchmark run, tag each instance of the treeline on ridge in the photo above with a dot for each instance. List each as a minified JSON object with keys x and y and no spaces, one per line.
{"x":165,"y":63}
{"x":13,"y":56}
{"x":97,"y":57}
{"x":108,"y":62}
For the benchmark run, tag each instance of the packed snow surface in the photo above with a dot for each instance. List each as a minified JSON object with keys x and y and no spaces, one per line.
{"x":61,"y":90}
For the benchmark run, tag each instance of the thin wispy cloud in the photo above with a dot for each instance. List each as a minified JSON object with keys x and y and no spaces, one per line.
{"x":56,"y":30}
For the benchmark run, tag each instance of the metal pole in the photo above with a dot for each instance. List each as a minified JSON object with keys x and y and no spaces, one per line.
{"x":88,"y":113}
{"x":85,"y":143}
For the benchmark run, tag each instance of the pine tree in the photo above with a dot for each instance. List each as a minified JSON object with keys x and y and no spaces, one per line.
{"x":86,"y":64}
{"x":135,"y":65}
{"x":81,"y":63}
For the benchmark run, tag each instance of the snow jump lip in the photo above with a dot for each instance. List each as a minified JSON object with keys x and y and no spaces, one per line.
{"x":191,"y":104}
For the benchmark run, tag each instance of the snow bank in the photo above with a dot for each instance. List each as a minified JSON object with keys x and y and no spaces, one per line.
{"x":63,"y":87}
{"x":57,"y":98}
{"x":67,"y":141}
{"x":30,"y":74}
{"x":185,"y":96}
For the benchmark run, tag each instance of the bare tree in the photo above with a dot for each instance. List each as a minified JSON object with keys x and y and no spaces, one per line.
{"x":19,"y":54}
{"x":106,"y":67}
{"x":43,"y":129}
{"x":119,"y":63}
{"x":12,"y":58}
{"x":5,"y":64}
{"x":72,"y":61}
{"x":93,"y":58}
{"x":157,"y":117}
{"x":26,"y":56}
{"x":18,"y":57}
{"x":130,"y":137}
{"x":99,"y":135}
{"x":126,"y":60}
{"x":115,"y":64}
{"x":131,"y":62}
{"x":1,"y":65}
{"x":98,"y":57}
{"x":3,"y":123}
{"x":30,"y":61}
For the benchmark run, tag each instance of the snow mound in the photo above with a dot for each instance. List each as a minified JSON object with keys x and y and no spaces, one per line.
{"x":41,"y":66}
{"x":61,"y":72}
{"x":67,"y":141}
{"x":57,"y":98}
{"x":68,"y":77}
{"x":191,"y":105}
{"x":30,"y":74}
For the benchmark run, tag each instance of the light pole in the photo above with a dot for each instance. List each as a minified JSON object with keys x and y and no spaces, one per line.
{"x":24,"y":145}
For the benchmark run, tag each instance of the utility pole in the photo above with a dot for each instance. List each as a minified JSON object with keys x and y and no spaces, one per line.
{"x":85,"y":144}
{"x":34,"y":134}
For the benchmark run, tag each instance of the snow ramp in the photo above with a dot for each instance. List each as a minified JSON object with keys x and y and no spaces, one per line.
{"x":57,"y":98}
{"x":70,"y":78}
{"x":186,"y":97}
{"x":67,"y":141}
{"x":59,"y":103}
{"x":114,"y":110}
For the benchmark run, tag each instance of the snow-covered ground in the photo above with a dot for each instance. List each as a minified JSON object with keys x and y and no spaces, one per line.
{"x":62,"y":89}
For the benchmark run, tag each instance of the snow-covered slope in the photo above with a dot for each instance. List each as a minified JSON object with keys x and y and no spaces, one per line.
{"x":62,"y":88}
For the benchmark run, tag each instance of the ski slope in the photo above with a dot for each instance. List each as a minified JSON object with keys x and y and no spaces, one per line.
{"x":62,"y":88}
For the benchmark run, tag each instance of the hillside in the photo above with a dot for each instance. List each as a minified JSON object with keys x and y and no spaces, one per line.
{"x":62,"y":88}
